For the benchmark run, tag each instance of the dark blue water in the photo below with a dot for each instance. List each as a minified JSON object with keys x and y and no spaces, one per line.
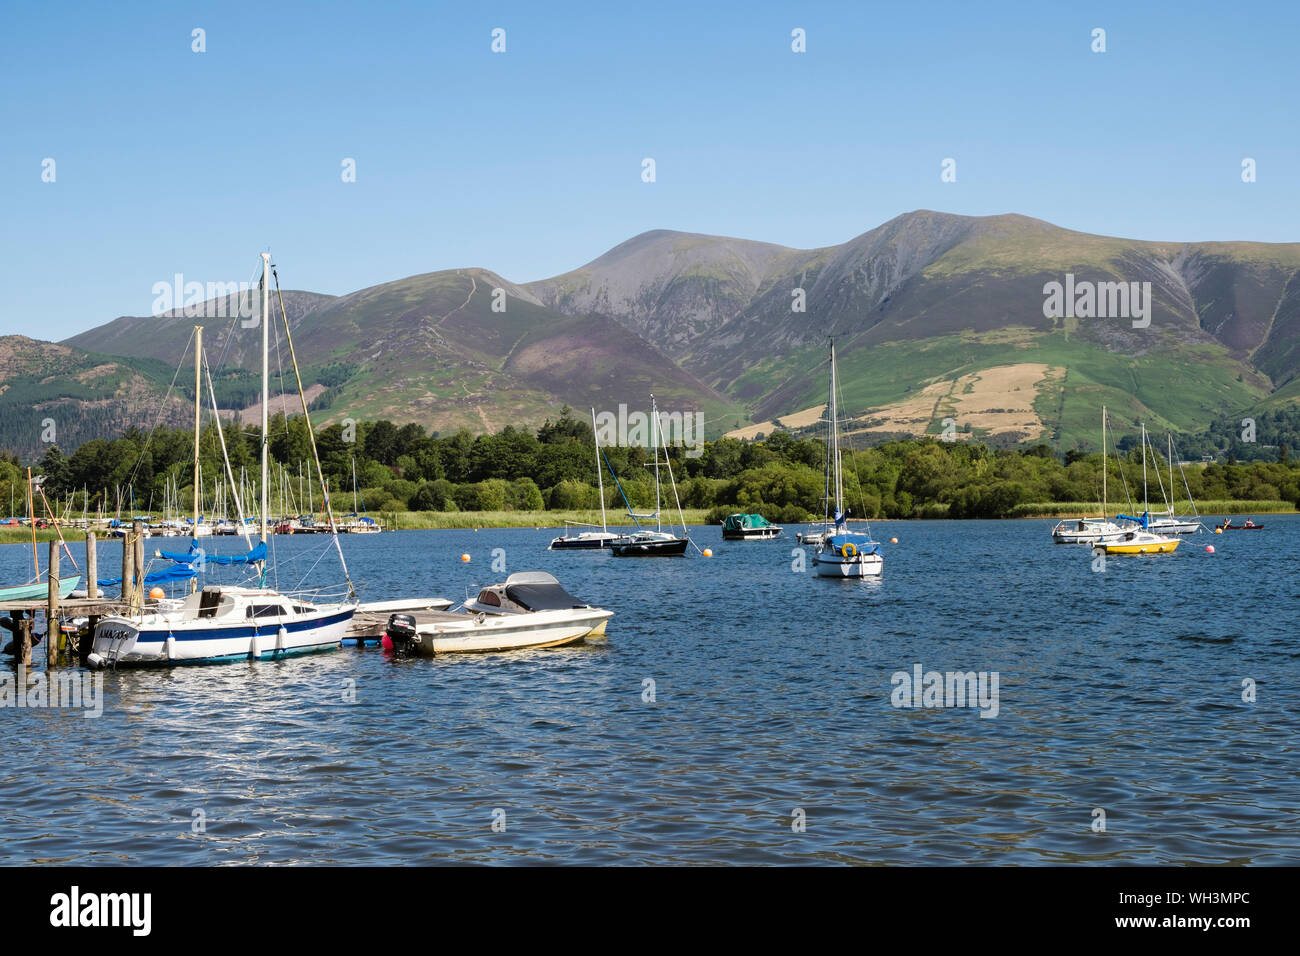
{"x":1119,"y":690}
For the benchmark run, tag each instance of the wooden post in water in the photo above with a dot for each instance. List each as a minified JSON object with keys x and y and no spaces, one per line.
{"x":92,"y":567}
{"x":128,"y":581}
{"x":52,"y":609}
{"x":137,"y":568}
{"x":22,"y":639}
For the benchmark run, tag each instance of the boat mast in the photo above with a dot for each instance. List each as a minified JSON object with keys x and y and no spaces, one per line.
{"x":654,"y":444}
{"x":1146,"y":506}
{"x":600,"y":478}
{"x":1170,"y":445}
{"x":198,"y":361}
{"x":266,"y":384}
{"x":835,"y":444}
{"x":1104,"y":508}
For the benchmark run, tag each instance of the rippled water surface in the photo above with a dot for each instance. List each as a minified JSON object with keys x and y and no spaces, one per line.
{"x":1119,"y":690}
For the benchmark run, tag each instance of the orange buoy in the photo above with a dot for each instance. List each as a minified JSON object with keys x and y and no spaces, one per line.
{"x":465,"y":558}
{"x":707,"y":552}
{"x":1218,"y":531}
{"x":893,"y":541}
{"x":157,"y":594}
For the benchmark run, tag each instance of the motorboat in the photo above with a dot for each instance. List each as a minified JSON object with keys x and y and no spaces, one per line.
{"x":748,"y":527}
{"x":530,"y":610}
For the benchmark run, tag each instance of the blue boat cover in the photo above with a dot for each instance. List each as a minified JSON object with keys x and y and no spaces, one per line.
{"x":1146,"y":516}
{"x":156,"y":577}
{"x":864,"y":544}
{"x":195,"y":553}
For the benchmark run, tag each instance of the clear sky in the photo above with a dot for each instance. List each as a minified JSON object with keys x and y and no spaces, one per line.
{"x":529,"y":162}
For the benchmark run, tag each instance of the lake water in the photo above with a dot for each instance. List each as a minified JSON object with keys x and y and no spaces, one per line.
{"x":1119,"y":691}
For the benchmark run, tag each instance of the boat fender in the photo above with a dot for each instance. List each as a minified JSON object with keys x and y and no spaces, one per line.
{"x":281,"y":637}
{"x":850,"y":550}
{"x":253,"y":652}
{"x":170,"y":645}
{"x":95,"y":662}
{"x":480,"y":617}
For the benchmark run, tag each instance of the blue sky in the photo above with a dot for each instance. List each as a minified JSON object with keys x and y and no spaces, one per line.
{"x":528,"y":162}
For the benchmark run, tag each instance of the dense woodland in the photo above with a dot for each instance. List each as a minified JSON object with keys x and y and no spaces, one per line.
{"x":402,"y":468}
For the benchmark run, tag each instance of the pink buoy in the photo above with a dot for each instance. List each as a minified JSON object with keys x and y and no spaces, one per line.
{"x":1209,"y":549}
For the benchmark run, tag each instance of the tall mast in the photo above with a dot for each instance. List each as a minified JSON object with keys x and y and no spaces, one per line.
{"x":198,"y":361}
{"x":654,"y":443}
{"x":1146,"y":507}
{"x":1104,"y":509}
{"x":600,"y":478}
{"x":266,"y":378}
{"x":835,"y":442}
{"x":1170,"y":452}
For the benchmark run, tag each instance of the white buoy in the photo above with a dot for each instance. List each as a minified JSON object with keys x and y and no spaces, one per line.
{"x":281,"y":636}
{"x":171,"y":648}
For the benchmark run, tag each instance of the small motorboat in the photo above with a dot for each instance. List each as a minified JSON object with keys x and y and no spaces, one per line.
{"x":748,"y":527}
{"x":530,"y":610}
{"x":1248,"y":526}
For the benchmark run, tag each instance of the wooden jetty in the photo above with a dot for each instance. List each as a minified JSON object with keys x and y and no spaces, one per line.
{"x":20,"y":615}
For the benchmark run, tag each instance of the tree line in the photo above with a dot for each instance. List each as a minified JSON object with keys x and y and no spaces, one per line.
{"x":405,"y":468}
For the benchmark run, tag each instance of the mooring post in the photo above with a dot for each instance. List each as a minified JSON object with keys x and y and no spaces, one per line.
{"x":128,"y":584}
{"x":52,"y":631}
{"x":137,"y":570}
{"x":23,"y":640}
{"x":92,"y":567}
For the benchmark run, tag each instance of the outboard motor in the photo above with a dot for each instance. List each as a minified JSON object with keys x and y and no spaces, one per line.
{"x":401,"y":633}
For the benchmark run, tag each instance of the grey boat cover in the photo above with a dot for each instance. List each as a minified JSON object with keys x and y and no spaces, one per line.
{"x":539,"y":591}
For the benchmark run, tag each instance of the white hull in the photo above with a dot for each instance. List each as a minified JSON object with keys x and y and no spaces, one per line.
{"x":1174,"y":526}
{"x":829,"y":565}
{"x":173,"y":636}
{"x":510,"y":632}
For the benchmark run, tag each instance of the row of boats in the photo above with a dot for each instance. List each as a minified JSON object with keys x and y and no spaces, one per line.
{"x":1148,"y":533}
{"x":839,"y":552}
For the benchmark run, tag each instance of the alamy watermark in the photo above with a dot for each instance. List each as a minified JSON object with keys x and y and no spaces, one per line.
{"x":922,"y":688}
{"x":67,"y":690}
{"x":633,"y":428}
{"x":198,"y":300}
{"x":1084,"y":299}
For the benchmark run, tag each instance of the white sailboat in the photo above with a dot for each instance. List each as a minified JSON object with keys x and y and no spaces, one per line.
{"x":1091,"y":530}
{"x":842,"y":553}
{"x":588,"y":540}
{"x":223,"y":623}
{"x":1169,"y":521}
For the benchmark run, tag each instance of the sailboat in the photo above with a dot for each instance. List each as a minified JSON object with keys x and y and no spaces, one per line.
{"x":224,"y":623}
{"x":1091,"y":530}
{"x":35,"y":589}
{"x":1138,"y":538}
{"x":360,"y":523}
{"x":645,"y":543}
{"x":842,"y":553}
{"x":1168,"y":521}
{"x":588,"y":540}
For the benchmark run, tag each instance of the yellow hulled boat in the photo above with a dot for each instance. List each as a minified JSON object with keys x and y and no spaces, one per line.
{"x":1140,"y":542}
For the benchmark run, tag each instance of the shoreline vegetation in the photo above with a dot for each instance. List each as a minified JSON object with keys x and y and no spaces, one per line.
{"x":518,"y":477}
{"x":555,"y":520}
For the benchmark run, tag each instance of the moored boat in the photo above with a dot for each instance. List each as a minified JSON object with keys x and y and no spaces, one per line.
{"x":748,"y":527}
{"x":530,"y":610}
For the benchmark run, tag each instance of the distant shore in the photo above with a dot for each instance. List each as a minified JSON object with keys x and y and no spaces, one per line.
{"x":473,"y":520}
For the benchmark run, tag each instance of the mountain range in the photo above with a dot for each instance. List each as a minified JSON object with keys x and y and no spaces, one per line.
{"x":938,"y":319}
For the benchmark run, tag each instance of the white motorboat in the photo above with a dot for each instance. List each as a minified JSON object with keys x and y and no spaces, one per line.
{"x":1086,"y":531}
{"x":530,"y":610}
